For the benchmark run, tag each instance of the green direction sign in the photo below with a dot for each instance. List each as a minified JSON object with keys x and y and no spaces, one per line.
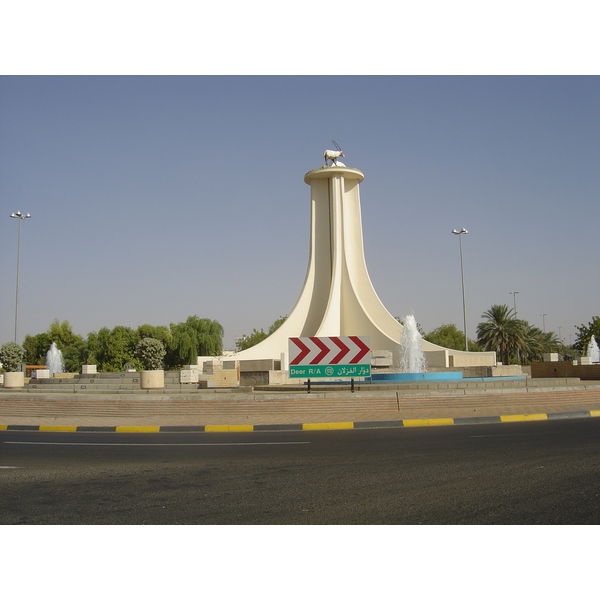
{"x":310,"y":371}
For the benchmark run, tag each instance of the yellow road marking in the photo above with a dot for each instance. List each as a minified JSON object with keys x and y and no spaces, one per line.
{"x":595,"y":413}
{"x":425,"y":422}
{"x":348,"y":425}
{"x":533,"y":417}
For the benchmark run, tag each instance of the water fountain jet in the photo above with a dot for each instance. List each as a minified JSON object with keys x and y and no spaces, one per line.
{"x":413,"y":365}
{"x":593,"y":351}
{"x":54,"y":360}
{"x":412,"y":359}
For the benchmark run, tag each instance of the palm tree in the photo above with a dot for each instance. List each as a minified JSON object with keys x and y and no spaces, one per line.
{"x":502,"y":332}
{"x":538,"y":343}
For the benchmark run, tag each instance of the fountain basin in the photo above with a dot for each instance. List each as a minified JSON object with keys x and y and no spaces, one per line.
{"x":403,"y":377}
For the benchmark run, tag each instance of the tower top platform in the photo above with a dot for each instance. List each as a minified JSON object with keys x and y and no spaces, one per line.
{"x":328,"y":172}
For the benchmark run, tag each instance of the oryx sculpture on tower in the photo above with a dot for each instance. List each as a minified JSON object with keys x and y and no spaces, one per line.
{"x":333,"y":155}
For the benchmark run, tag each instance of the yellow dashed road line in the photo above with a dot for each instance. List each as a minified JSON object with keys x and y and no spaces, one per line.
{"x":426,"y":422}
{"x":344,"y":425}
{"x":533,"y":417}
{"x":229,"y":428}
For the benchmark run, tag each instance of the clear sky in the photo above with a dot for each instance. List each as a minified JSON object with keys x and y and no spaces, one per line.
{"x":155,"y":198}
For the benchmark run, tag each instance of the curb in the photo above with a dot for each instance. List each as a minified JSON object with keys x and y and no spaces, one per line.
{"x":306,"y":426}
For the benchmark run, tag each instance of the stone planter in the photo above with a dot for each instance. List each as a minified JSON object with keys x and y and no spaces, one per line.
{"x":152,"y":380}
{"x":14,"y":380}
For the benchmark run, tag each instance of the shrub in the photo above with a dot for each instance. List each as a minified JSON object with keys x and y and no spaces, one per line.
{"x":11,"y":357}
{"x":151,"y":353}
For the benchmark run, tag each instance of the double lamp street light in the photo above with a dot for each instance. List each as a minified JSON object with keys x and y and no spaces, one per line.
{"x":20,"y":216}
{"x":462,"y":276}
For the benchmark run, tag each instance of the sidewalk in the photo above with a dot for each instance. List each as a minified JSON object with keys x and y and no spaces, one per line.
{"x":260,"y":411}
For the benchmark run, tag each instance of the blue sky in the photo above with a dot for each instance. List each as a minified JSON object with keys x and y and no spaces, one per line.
{"x":155,"y":198}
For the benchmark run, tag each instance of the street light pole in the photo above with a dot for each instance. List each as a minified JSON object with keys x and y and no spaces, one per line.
{"x":462,"y":276}
{"x":20,"y":216}
{"x":544,"y":315}
{"x":515,"y":301}
{"x":515,"y":305}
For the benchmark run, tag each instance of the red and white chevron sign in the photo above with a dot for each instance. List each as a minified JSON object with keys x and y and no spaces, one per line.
{"x":329,"y":350}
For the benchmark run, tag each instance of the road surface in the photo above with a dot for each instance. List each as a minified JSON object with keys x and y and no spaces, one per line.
{"x":545,"y":472}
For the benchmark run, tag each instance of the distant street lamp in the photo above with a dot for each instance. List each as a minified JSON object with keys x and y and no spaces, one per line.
{"x":462,"y":276}
{"x":20,"y":216}
{"x":515,"y":301}
{"x":544,"y":315}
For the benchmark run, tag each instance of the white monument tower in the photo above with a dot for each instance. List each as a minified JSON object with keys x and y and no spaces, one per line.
{"x":338,"y":298}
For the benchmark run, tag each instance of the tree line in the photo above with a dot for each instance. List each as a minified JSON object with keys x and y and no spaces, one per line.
{"x":514,"y":340}
{"x":115,"y":349}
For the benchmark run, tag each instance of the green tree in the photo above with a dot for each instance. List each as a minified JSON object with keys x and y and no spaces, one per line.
{"x":247,"y":341}
{"x":72,"y":346}
{"x":62,"y":334}
{"x":585,"y":333}
{"x":537,"y":343}
{"x":11,"y":357}
{"x":502,"y":333}
{"x":449,"y":336}
{"x":111,"y":349}
{"x":150,"y":352}
{"x":192,"y":338}
{"x":74,"y":356}
{"x":36,"y":348}
{"x":160,"y":333}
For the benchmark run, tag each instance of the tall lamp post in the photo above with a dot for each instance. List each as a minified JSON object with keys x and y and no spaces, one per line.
{"x":462,"y":276}
{"x":544,"y":315}
{"x":515,"y":301}
{"x":515,"y":305}
{"x":20,"y":216}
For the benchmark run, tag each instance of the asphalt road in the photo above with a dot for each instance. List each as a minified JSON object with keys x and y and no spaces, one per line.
{"x":545,"y":472}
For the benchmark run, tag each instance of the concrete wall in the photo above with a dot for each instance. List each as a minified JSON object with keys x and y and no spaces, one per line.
{"x":507,"y":371}
{"x":215,"y":372}
{"x":437,"y":359}
{"x":272,"y":377}
{"x":566,"y":369}
{"x":221,"y":378}
{"x":473,"y":359}
{"x":486,"y":371}
{"x":265,"y":364}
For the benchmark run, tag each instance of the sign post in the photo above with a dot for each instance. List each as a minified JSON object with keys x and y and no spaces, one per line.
{"x":333,"y":357}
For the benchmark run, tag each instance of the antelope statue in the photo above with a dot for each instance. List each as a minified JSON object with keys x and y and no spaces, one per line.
{"x":333,"y":155}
